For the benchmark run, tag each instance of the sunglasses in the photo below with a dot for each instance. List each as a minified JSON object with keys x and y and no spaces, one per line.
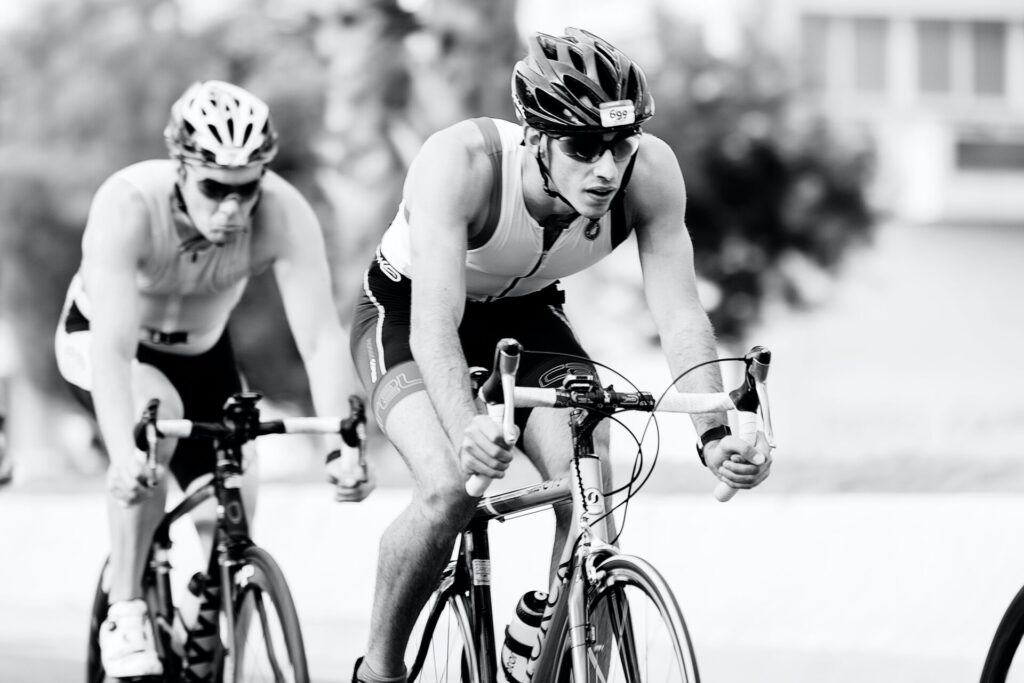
{"x":218,"y":191}
{"x":588,"y":148}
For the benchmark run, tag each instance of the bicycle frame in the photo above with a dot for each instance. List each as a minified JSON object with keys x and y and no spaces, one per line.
{"x":232,"y":536}
{"x":470,"y":573}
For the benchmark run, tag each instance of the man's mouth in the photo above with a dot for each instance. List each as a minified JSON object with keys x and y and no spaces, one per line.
{"x":600,"y":192}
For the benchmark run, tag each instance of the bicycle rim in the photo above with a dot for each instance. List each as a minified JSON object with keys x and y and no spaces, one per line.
{"x":267,"y":642}
{"x":637,"y":633}
{"x":1005,"y":661}
{"x":442,"y":643}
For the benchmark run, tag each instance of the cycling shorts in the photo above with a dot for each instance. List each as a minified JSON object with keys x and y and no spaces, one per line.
{"x":383,"y":358}
{"x":204,"y":382}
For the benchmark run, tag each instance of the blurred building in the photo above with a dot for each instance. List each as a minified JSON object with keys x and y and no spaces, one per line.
{"x":939,"y":84}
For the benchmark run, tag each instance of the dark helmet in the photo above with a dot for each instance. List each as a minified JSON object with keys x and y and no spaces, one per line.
{"x":562,"y":83}
{"x":219,"y":124}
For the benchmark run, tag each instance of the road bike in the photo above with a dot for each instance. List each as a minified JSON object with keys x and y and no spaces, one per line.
{"x":247,"y":628}
{"x":1004,"y":662}
{"x":608,"y":616}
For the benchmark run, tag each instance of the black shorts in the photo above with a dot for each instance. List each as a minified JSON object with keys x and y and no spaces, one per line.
{"x":384,"y":362}
{"x":204,"y":383}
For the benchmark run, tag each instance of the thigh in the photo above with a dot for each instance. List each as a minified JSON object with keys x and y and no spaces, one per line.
{"x":204,"y":383}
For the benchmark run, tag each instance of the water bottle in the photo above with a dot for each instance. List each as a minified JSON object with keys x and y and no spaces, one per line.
{"x":521,"y":634}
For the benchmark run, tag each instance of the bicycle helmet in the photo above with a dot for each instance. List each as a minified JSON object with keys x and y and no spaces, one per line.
{"x":219,"y":124}
{"x":579,"y":83}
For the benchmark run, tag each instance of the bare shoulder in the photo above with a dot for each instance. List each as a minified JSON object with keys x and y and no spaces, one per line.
{"x":282,"y":214}
{"x":451,"y":170}
{"x":118,"y":223}
{"x":656,"y":188}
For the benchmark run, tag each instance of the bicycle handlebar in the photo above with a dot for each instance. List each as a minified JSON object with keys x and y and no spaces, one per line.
{"x":748,"y":399}
{"x":241,"y":422}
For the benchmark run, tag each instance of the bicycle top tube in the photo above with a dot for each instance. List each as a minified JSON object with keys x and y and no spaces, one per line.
{"x":525,"y":499}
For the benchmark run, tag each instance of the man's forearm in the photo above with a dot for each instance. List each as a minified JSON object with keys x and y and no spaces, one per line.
{"x":112,"y":399}
{"x":684,"y":350}
{"x":446,"y":376}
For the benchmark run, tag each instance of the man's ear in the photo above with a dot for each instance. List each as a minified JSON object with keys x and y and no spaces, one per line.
{"x":531,"y":136}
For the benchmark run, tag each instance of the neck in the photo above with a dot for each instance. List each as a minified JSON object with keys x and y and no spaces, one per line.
{"x":539,"y":204}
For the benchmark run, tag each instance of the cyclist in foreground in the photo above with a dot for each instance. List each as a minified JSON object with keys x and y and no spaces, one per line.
{"x":493,"y":214}
{"x":166,"y":254}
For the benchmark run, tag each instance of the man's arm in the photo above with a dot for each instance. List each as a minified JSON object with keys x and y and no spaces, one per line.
{"x":670,"y":287}
{"x":304,"y":281}
{"x":444,"y":188}
{"x":116,"y":236}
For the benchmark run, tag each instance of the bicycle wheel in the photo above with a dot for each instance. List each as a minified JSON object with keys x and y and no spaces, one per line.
{"x":267,"y":642}
{"x":166,"y":649}
{"x":637,"y":633}
{"x":443,"y":642}
{"x":1002,"y":663}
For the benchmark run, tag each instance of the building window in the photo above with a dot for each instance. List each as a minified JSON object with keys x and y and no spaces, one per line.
{"x":973,"y":155}
{"x":988,"y":45}
{"x":934,"y":56}
{"x":815,"y":44}
{"x":870,"y":54}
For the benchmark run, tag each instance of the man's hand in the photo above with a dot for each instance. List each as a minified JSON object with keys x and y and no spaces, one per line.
{"x":483,"y":449}
{"x":737,"y":463}
{"x":353,"y":479}
{"x":129,"y":479}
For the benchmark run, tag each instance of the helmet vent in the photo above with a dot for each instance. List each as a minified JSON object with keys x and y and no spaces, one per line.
{"x":215,"y":133}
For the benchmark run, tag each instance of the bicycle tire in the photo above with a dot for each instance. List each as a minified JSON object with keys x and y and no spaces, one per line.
{"x":94,"y":672}
{"x":632,"y":609}
{"x":445,"y":651}
{"x":276,"y":653}
{"x":1005,"y":642}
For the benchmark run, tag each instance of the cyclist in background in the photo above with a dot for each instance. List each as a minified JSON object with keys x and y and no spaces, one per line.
{"x":493,"y":215}
{"x":167,"y":251}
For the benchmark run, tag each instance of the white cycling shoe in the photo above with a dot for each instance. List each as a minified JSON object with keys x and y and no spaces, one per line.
{"x":127,"y":649}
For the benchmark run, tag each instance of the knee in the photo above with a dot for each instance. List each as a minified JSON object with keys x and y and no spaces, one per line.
{"x":446,"y":506}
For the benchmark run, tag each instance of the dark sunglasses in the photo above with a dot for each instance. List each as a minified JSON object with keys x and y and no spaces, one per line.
{"x":218,"y":191}
{"x":588,"y":148}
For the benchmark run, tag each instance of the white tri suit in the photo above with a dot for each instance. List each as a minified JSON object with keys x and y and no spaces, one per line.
{"x":511,"y":285}
{"x":189,"y":288}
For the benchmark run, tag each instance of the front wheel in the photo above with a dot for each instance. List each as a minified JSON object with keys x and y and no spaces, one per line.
{"x":443,"y":642}
{"x":999,"y":664}
{"x":267,"y":642}
{"x":637,"y":633}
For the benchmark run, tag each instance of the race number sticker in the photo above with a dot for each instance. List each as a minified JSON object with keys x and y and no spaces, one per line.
{"x":617,"y":113}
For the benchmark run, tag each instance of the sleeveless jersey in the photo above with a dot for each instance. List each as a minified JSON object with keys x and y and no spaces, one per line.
{"x":187,"y":294}
{"x":506,"y":257}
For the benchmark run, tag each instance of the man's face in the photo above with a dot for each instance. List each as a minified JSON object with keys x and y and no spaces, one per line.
{"x":220,"y":200}
{"x":588,"y":169}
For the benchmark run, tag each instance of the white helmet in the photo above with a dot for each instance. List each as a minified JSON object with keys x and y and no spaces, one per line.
{"x":219,"y":124}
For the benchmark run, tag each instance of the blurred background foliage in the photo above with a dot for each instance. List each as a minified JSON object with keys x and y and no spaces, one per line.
{"x":85,"y":88}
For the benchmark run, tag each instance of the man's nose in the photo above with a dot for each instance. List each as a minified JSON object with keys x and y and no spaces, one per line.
{"x":605,"y":166}
{"x":231,"y":204}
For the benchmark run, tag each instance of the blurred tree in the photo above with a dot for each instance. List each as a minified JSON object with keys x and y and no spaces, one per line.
{"x":774,"y":197}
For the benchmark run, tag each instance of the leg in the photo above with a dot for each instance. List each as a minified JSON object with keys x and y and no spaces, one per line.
{"x":416,"y":546}
{"x":132,"y":527}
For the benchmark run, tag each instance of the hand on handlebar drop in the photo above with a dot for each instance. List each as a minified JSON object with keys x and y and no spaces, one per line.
{"x":484,"y":450}
{"x":352,"y":477}
{"x":130,"y":481}
{"x":737,"y":463}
